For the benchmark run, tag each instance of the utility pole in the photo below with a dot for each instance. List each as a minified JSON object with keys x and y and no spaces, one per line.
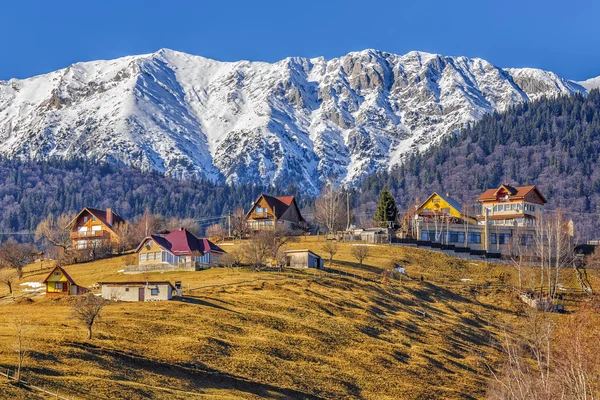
{"x":348,"y":210}
{"x":229,"y":222}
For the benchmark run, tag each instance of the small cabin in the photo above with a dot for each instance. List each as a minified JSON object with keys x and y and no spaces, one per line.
{"x":302,"y":259}
{"x":58,"y":282}
{"x":137,"y":291}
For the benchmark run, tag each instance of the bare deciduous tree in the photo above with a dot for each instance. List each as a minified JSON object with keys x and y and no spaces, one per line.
{"x":187,"y":223}
{"x":239,"y":226}
{"x":361,"y":253}
{"x":8,"y":277}
{"x":24,"y":338}
{"x":86,"y":309}
{"x":331,"y":248}
{"x":15,"y":255}
{"x":330,"y":209}
{"x":54,"y":231}
{"x":216,"y":231}
{"x":264,"y":245}
{"x":231,"y":259}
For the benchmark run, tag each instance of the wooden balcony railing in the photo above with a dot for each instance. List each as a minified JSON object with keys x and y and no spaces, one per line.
{"x":90,"y":235}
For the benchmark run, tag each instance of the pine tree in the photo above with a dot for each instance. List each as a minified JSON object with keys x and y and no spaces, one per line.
{"x":386,"y":209}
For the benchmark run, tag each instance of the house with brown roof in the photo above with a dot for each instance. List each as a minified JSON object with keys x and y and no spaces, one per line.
{"x":511,"y":206}
{"x":58,"y":282}
{"x":177,"y":249}
{"x":268,"y":212}
{"x":92,"y":228}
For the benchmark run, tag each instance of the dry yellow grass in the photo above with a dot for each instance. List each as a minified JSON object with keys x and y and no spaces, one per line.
{"x":308,"y":337}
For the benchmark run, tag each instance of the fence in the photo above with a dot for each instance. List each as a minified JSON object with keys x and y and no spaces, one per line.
{"x":55,"y":393}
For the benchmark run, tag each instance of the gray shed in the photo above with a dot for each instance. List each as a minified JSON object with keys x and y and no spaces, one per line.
{"x":303,"y":259}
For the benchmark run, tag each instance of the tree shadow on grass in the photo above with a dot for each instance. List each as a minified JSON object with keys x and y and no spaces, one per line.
{"x":198,"y":375}
{"x":197,"y":301}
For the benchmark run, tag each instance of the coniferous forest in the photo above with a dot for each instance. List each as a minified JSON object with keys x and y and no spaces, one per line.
{"x":553,"y":143}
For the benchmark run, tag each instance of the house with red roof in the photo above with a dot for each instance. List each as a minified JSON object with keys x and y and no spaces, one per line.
{"x":268,"y":211}
{"x":177,"y":249}
{"x":510,"y":205}
{"x":58,"y":282}
{"x":92,"y":228}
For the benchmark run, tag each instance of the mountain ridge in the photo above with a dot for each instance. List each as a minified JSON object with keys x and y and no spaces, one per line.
{"x":300,"y":120}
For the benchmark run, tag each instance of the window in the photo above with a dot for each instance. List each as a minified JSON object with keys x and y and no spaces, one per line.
{"x":93,"y":218}
{"x":424,"y":235}
{"x":85,"y":219}
{"x":501,"y":238}
{"x":474,"y":237}
{"x":526,"y":240}
{"x":154,"y":291}
{"x":58,"y":286}
{"x":157,"y":255}
{"x":269,"y":222}
{"x":143,"y":257}
{"x":127,"y":289}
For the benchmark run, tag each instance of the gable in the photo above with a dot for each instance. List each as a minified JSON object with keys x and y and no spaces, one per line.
{"x":436,"y":204}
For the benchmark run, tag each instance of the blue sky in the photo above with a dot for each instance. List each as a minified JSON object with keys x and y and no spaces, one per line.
{"x":43,"y":35}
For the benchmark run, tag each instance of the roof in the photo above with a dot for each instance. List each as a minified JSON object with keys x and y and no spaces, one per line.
{"x":278,"y":204}
{"x":182,"y":242}
{"x":63,"y":272}
{"x":518,"y":192}
{"x":452,"y":202}
{"x":99,"y":214}
{"x":137,"y":283}
{"x":302,"y":251}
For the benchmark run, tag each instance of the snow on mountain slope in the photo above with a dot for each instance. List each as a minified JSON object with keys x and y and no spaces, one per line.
{"x":592,"y":83}
{"x":294,"y":121}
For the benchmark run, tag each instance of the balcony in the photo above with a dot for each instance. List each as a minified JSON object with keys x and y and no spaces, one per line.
{"x":90,"y":235}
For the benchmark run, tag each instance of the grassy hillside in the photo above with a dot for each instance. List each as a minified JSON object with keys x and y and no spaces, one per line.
{"x":277,"y":335}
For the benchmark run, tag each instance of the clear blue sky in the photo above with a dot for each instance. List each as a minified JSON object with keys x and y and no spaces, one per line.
{"x":38,"y":36}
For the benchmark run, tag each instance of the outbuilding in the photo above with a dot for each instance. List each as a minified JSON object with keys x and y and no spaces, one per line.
{"x":137,"y":291}
{"x":302,"y":259}
{"x":59,"y":283}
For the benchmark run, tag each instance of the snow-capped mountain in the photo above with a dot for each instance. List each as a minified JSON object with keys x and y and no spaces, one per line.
{"x":294,"y":121}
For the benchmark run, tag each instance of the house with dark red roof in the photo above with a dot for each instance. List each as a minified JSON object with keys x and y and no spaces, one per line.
{"x":268,"y":211}
{"x":92,"y":228}
{"x":177,"y":249}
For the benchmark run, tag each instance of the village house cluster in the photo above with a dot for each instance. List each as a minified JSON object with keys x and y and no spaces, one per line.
{"x":505,"y":214}
{"x":178,"y":249}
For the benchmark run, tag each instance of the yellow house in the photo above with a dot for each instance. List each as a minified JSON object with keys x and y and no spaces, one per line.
{"x":443,"y":206}
{"x":58,"y":282}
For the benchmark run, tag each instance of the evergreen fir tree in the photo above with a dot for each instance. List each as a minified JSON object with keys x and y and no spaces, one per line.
{"x":386,"y":209}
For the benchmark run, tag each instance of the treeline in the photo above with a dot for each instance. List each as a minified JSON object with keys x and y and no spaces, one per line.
{"x":553,"y":143}
{"x":30,"y":191}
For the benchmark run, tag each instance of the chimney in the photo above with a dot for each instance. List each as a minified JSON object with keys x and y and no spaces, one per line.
{"x":109,"y":216}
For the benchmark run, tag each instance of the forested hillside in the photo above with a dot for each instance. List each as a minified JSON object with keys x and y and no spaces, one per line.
{"x":553,"y":143}
{"x":29,"y":191}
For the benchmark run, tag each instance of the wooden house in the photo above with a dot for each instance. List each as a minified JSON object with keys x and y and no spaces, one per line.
{"x":268,"y":211}
{"x":512,"y":206}
{"x":92,"y":228}
{"x":177,"y":249}
{"x":58,"y":283}
{"x":138,"y":291}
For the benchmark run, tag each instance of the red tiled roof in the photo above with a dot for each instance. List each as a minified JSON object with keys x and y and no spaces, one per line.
{"x":63,"y":272}
{"x":183,"y":242}
{"x":518,"y":192}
